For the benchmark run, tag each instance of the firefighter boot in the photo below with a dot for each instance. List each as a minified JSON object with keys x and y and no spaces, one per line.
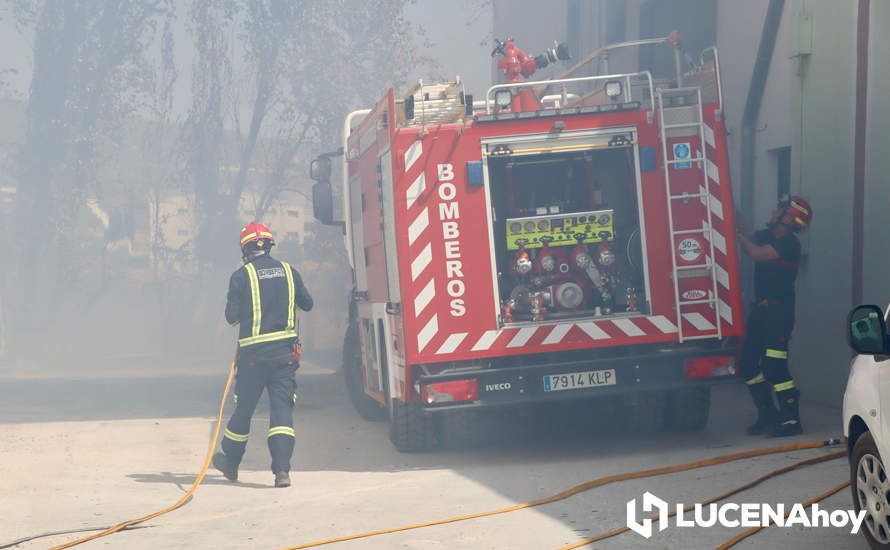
{"x":789,"y":418}
{"x":226,"y":465}
{"x":282,"y":479}
{"x":766,"y":410}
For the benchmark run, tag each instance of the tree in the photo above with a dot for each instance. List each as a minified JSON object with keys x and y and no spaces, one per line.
{"x":203,"y":135}
{"x":89,"y":76}
{"x":340,"y":58}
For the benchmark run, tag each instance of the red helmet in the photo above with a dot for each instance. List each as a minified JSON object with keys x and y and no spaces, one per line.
{"x":800,"y":211}
{"x":258,"y":233}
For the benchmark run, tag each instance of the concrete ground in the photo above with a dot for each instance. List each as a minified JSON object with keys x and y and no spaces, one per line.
{"x":126,"y":437}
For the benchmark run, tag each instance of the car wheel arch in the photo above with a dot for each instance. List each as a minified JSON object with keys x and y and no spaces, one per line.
{"x":856,"y":428}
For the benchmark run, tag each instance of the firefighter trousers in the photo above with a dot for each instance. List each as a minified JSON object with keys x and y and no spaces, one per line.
{"x":764,"y":359}
{"x":277,"y":377}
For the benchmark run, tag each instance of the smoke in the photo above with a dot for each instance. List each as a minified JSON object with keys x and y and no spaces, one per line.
{"x":147,"y":135}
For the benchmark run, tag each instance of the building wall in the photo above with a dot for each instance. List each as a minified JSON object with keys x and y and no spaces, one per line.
{"x":876,"y":285}
{"x":822,"y":106}
{"x":808,"y":104}
{"x":739,"y":25}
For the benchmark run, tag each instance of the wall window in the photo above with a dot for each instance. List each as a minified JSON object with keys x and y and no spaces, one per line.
{"x":293,"y":236}
{"x":783,"y":171}
{"x":293,"y":213}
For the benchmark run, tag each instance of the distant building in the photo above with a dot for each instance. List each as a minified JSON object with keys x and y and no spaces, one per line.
{"x":173,"y":227}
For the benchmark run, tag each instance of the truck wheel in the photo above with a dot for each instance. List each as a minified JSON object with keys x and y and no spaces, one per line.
{"x":364,"y":405}
{"x":645,"y":412}
{"x":688,"y":409}
{"x":870,"y":486}
{"x":410,"y":427}
{"x":459,"y":429}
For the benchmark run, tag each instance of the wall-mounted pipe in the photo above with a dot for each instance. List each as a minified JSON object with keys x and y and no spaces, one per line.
{"x":753,"y":102}
{"x":859,"y":148}
{"x":750,"y":116}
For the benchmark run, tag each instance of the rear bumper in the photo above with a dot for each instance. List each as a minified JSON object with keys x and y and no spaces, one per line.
{"x":516,"y":385}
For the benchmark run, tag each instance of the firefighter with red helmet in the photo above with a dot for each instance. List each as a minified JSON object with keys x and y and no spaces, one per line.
{"x":764,"y":359}
{"x":263,"y":296}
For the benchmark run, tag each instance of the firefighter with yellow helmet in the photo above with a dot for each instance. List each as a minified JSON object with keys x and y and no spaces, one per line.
{"x":764,"y":359}
{"x":263,"y":296}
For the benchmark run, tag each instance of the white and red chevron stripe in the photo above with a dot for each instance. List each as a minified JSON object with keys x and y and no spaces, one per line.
{"x":421,"y":255}
{"x":617,"y":329}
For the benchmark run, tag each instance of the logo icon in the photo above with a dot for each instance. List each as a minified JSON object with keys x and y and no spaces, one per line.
{"x":682,"y":152}
{"x":650,"y":504}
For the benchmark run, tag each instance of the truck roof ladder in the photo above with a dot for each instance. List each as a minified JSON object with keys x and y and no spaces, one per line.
{"x":696,"y":125}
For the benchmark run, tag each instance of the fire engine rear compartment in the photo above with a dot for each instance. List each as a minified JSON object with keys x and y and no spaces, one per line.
{"x":566,"y":227}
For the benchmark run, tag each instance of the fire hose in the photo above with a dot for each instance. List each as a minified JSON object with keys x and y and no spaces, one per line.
{"x":606,"y":480}
{"x":562,"y":495}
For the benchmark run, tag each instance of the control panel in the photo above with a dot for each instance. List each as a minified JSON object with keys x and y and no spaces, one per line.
{"x":561,"y":229}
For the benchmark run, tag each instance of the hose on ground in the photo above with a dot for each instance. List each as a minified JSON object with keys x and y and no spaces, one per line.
{"x":188,"y":494}
{"x":592,"y":484}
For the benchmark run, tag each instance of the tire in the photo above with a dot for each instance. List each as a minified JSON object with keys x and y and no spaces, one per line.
{"x":365,"y":406}
{"x":688,"y":409}
{"x":410,"y":427}
{"x":869,"y":492}
{"x":644,"y":412}
{"x":460,"y":429}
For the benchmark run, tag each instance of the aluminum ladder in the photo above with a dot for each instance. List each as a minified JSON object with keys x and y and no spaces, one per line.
{"x":707,"y":230}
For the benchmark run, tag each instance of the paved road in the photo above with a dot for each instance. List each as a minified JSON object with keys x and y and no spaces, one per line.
{"x":111,"y":444}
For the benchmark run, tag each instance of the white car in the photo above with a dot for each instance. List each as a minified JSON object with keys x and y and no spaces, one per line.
{"x":866,"y":424}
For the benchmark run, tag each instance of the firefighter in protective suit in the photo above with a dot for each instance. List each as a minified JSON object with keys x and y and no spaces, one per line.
{"x":263,"y":296}
{"x":764,"y":359}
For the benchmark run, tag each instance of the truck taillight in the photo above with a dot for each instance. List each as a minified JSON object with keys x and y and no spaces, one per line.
{"x":450,"y":392}
{"x":709,"y":367}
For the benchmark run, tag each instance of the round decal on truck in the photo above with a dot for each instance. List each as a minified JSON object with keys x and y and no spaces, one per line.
{"x":689,"y":249}
{"x":695,"y":294}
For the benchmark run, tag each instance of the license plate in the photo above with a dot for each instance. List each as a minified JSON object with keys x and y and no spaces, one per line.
{"x":578,"y":380}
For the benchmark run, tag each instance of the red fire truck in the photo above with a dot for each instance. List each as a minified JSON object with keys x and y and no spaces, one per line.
{"x":570,"y":238}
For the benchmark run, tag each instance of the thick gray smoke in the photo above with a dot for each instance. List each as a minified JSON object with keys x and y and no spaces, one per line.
{"x":146,"y":136}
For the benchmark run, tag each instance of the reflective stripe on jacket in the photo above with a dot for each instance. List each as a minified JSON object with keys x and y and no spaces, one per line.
{"x":263,"y":296}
